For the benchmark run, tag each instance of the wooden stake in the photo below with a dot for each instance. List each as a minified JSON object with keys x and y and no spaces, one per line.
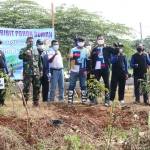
{"x":52,"y":7}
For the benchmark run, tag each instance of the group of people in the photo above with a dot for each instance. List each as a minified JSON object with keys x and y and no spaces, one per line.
{"x":42,"y":68}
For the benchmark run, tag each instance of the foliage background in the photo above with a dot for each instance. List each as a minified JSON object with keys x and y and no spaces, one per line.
{"x":69,"y":21}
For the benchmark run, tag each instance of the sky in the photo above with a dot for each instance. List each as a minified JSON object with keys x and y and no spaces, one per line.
{"x":128,"y":12}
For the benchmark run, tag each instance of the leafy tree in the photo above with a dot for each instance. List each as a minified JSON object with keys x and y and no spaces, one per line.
{"x":23,"y":14}
{"x":68,"y":22}
{"x":146,"y":41}
{"x":72,"y":20}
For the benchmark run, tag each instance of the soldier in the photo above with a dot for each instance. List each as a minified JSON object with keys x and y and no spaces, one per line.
{"x":46,"y":70}
{"x":3,"y":70}
{"x":32,"y":70}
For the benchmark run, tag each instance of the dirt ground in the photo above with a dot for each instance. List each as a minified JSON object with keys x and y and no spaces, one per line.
{"x":19,"y":131}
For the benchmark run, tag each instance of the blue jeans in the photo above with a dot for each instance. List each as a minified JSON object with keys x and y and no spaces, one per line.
{"x":73,"y":79}
{"x":57,"y":77}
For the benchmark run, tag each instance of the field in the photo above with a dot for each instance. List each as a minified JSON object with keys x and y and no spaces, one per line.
{"x":59,"y":126}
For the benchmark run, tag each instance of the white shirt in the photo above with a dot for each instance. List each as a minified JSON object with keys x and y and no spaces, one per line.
{"x":57,"y":62}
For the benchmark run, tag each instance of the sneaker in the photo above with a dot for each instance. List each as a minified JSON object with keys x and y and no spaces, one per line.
{"x":61,"y":101}
{"x":122,"y":101}
{"x":106,"y":104}
{"x":136,"y":102}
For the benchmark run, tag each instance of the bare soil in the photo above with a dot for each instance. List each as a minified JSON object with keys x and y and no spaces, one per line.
{"x":90,"y":123}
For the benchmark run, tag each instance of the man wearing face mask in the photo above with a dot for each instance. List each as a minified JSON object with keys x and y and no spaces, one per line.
{"x":57,"y":74}
{"x":119,"y":73}
{"x":139,"y":62}
{"x":46,"y":70}
{"x":3,"y":71}
{"x":78,"y":56}
{"x":32,"y":71}
{"x":100,"y":60}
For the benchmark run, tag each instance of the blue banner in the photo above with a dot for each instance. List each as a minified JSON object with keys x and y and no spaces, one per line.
{"x":15,"y":39}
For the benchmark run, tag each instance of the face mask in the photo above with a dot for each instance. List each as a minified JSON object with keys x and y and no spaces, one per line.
{"x":55,"y":47}
{"x":100,"y":41}
{"x":40,"y":46}
{"x":88,"y":47}
{"x":139,"y":49}
{"x":29,"y":44}
{"x":120,"y":50}
{"x":80,"y":44}
{"x":0,"y":46}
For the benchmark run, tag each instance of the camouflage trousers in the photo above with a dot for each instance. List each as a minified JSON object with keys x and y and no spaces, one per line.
{"x":35,"y":80}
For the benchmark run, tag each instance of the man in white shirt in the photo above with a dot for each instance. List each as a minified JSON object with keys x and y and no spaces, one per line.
{"x":57,"y":74}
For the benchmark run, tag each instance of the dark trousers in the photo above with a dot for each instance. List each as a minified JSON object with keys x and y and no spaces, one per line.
{"x":45,"y":87}
{"x":105,"y":75}
{"x":137,"y":88}
{"x":120,"y":81}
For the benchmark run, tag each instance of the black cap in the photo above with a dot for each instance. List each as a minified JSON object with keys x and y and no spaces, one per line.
{"x":144,"y":45}
{"x":1,"y":41}
{"x":120,"y":44}
{"x":115,"y":44}
{"x":39,"y":41}
{"x":81,"y":38}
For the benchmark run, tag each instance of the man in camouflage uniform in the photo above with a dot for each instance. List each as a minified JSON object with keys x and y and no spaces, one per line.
{"x":32,"y":70}
{"x":3,"y":72}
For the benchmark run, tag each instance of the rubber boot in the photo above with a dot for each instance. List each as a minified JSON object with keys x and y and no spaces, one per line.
{"x":70,"y":97}
{"x":84,"y":97}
